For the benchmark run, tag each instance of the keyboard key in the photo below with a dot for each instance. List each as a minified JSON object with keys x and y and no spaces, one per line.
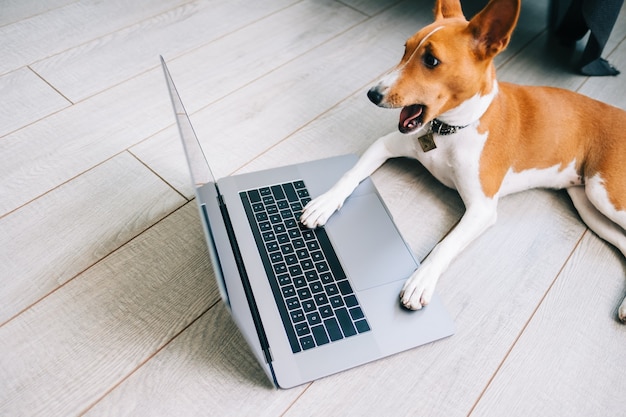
{"x":322,"y":267}
{"x":302,"y":329}
{"x":291,"y":259}
{"x":308,"y":306}
{"x":310,"y":275}
{"x":286,"y":249}
{"x":314,"y":318}
{"x":312,"y":245}
{"x":299,"y":282}
{"x":254,"y":196}
{"x":280,"y":268}
{"x":307,"y":342}
{"x":345,"y":322}
{"x":290,"y":192}
{"x":331,"y":290}
{"x":284,"y":279}
{"x":321,"y":299}
{"x":362,"y":326}
{"x":304,"y":293}
{"x":316,"y":287}
{"x":295,"y":270}
{"x":279,"y":228}
{"x":321,"y":338}
{"x":292,"y":303}
{"x":317,"y":256}
{"x":351,"y":301}
{"x":327,"y":278}
{"x":277,"y":190}
{"x":326,"y":312}
{"x":288,"y":291}
{"x":345,"y":287}
{"x":297,"y":315}
{"x":336,"y":301}
{"x":333,"y":329}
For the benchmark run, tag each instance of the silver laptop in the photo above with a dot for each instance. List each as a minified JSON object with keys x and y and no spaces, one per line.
{"x":309,"y":303}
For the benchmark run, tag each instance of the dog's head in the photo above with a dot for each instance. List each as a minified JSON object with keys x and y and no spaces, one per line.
{"x":447,"y":62}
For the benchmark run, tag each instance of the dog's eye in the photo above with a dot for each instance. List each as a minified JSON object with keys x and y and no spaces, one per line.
{"x":430,"y":61}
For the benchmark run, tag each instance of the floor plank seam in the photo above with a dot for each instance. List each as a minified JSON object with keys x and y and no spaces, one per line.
{"x":525,"y":326}
{"x":79,"y":273}
{"x":148,"y":359}
{"x":158,"y":175}
{"x":49,"y":85}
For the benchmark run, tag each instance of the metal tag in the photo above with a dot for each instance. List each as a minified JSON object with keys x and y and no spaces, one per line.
{"x":427,"y":142}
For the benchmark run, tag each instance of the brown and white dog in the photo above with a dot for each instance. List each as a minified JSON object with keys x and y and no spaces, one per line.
{"x":488,"y":139}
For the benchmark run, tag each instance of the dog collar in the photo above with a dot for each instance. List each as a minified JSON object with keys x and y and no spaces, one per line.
{"x":441,"y":128}
{"x":427,"y":141}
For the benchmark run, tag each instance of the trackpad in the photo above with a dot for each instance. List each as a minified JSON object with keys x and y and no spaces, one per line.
{"x":368,"y":244}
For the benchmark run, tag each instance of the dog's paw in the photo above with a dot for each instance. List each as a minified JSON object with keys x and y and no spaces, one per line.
{"x":319,"y":210}
{"x":418,"y":290}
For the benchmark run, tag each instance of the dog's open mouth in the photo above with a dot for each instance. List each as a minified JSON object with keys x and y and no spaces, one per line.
{"x":411,"y":118}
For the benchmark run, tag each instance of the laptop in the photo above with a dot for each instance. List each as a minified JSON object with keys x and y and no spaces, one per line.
{"x":310,"y":303}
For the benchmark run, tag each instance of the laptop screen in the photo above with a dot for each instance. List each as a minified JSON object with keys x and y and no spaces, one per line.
{"x":200,"y":171}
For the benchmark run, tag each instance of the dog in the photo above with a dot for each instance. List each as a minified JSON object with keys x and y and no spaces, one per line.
{"x":488,"y":139}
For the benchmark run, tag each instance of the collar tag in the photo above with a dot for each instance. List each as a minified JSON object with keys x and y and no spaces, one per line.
{"x":427,"y":142}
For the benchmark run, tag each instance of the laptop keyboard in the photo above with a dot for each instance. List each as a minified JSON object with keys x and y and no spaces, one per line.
{"x":315,"y":300}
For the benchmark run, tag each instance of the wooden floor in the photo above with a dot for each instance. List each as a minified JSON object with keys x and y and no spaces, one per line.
{"x":107,"y":301}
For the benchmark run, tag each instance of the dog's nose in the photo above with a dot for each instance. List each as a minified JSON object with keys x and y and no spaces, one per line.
{"x":375,"y":96}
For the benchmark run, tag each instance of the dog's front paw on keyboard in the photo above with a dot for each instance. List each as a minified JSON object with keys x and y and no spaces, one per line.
{"x":319,"y":210}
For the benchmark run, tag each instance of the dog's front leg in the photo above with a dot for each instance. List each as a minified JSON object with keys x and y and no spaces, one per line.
{"x":319,"y":210}
{"x":419,"y":288}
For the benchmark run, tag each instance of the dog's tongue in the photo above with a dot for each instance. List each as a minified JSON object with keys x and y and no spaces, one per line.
{"x":408,"y":117}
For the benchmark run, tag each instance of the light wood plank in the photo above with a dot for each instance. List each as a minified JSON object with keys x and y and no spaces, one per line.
{"x":56,"y":149}
{"x":91,"y":67}
{"x":70,"y":349}
{"x":57,"y":236}
{"x":15,"y":10}
{"x":26,"y":98}
{"x":370,"y":7}
{"x":46,"y":34}
{"x":207,"y":370}
{"x":569,"y":361}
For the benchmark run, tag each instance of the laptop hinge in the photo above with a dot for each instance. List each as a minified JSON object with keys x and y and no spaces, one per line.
{"x":256,"y":317}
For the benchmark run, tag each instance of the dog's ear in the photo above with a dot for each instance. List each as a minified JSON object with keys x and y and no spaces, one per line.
{"x":493,"y":26}
{"x":448,"y":8}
